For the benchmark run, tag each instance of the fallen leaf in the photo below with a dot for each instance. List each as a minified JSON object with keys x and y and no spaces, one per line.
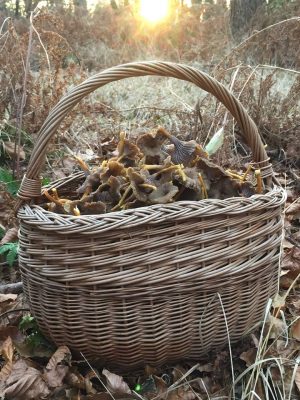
{"x":10,"y":236}
{"x":296,"y":304}
{"x":75,"y":379}
{"x":7,"y":302}
{"x":295,"y":330}
{"x":286,"y":244}
{"x":24,"y":383}
{"x":182,"y":394}
{"x":115,"y":383}
{"x":291,"y":262}
{"x":11,"y":331}
{"x":294,"y":210}
{"x":277,"y":327}
{"x":7,"y":297}
{"x":56,"y":369}
{"x":88,"y":383}
{"x":9,"y":148}
{"x":206,"y":368}
{"x":7,"y":351}
{"x":278,"y":301}
{"x":249,"y":356}
{"x":161,"y":387}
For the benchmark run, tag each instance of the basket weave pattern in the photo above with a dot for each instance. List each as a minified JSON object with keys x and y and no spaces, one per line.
{"x":153,"y":284}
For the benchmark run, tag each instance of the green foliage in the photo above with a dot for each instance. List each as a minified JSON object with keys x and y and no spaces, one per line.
{"x":276,"y":4}
{"x":11,"y":252}
{"x":45,"y":181}
{"x":28,"y":323}
{"x":13,"y":185}
{"x":34,"y":338}
{"x":7,"y":178}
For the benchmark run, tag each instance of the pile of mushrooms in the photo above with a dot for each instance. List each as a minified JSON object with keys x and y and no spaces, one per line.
{"x":157,"y":169}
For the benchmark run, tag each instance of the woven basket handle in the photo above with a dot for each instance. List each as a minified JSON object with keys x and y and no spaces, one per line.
{"x":31,"y":185}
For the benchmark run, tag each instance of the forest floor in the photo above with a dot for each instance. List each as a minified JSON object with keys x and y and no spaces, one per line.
{"x":264,"y":365}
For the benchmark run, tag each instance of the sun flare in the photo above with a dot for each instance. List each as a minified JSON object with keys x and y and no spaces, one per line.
{"x":154,"y":10}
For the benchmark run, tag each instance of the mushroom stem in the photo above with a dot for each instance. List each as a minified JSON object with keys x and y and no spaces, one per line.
{"x":181,"y":172}
{"x":76,"y":211}
{"x":147,"y":186}
{"x":82,"y":164}
{"x":234,"y":175}
{"x":203,"y":188}
{"x":119,"y":205}
{"x":167,"y":169}
{"x":150,"y":167}
{"x":86,"y":193}
{"x":121,"y":146}
{"x":259,"y":182}
{"x":54,"y":199}
{"x":247,"y":172}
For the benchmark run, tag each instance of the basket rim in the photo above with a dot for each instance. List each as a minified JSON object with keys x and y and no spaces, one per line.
{"x":153,"y":214}
{"x":31,"y":184}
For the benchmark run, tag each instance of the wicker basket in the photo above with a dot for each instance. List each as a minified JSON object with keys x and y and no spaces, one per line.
{"x":153,"y":284}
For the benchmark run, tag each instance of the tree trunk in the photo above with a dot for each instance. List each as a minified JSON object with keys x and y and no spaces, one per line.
{"x":17,"y":8}
{"x":81,"y":3}
{"x":241,"y":13}
{"x":114,"y":4}
{"x":2,"y":5}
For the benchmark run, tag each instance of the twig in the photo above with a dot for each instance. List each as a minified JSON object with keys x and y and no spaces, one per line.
{"x":3,"y":23}
{"x":241,"y":45}
{"x":13,"y":311}
{"x":14,"y":288}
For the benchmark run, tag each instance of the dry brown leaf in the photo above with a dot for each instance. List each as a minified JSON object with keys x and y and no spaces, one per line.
{"x":278,"y":327}
{"x":181,"y":394}
{"x":294,"y":210}
{"x":7,"y":297}
{"x":58,"y":173}
{"x":75,"y":379}
{"x":10,"y":236}
{"x":295,"y":330}
{"x":115,"y":383}
{"x":249,"y":356}
{"x":291,"y":262}
{"x":24,"y":383}
{"x":88,"y":383}
{"x":206,"y":367}
{"x":9,"y":148}
{"x":278,"y":302}
{"x":56,"y":369}
{"x":161,"y":388}
{"x":7,"y":302}
{"x":296,"y":304}
{"x":7,"y":351}
{"x":13,"y":332}
{"x":286,"y":244}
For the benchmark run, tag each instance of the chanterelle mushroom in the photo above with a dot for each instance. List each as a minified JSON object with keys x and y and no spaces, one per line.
{"x":112,"y":168}
{"x":136,"y":180}
{"x":183,"y":152}
{"x":128,"y":152}
{"x":151,"y":146}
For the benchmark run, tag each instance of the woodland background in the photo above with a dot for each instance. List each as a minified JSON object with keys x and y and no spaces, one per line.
{"x":47,"y":47}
